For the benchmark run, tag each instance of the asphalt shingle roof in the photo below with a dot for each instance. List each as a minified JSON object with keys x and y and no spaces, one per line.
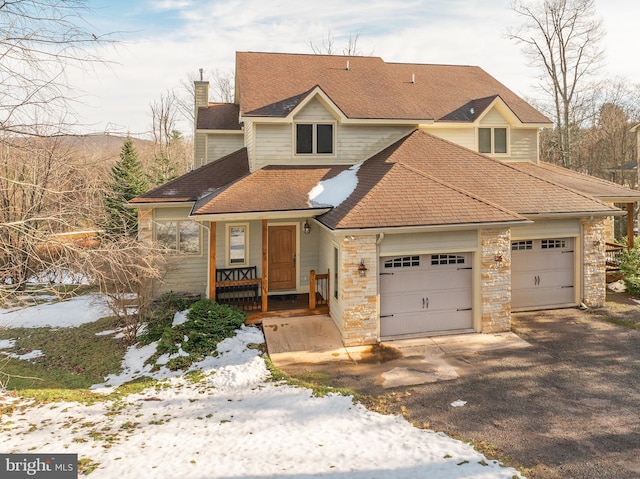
{"x":202,"y":181}
{"x":421,"y":180}
{"x":272,"y":84}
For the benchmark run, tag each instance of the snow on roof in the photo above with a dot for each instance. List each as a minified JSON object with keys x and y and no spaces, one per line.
{"x":335,"y":190}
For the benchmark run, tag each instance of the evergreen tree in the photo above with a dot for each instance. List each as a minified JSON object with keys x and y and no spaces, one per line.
{"x":127,"y":181}
{"x":162,"y":170}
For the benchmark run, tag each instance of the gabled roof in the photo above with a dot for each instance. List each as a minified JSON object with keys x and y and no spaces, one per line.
{"x":370,"y":88}
{"x":421,"y":180}
{"x":200,"y":182}
{"x":424,"y":172}
{"x":596,"y":187}
{"x":218,"y":116}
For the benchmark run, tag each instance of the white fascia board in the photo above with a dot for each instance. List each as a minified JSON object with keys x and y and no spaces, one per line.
{"x":426,"y":229}
{"x":167,"y":204}
{"x":260,"y":215}
{"x":581,"y":214}
{"x":222,"y":132}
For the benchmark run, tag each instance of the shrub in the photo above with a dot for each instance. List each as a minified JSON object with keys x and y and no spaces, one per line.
{"x":161,"y":314}
{"x":630,"y":268}
{"x":207,"y":324}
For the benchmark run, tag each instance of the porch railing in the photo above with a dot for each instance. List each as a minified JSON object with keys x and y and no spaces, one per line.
{"x":239,"y":287}
{"x":318,"y":289}
{"x":613,"y":252}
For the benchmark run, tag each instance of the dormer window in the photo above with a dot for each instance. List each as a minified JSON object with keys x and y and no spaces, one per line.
{"x":492,"y":140}
{"x":314,"y":138}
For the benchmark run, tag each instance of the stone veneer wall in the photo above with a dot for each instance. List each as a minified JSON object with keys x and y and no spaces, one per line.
{"x":495,"y":244}
{"x":358,"y":296}
{"x":594,"y":261}
{"x":145,"y":225}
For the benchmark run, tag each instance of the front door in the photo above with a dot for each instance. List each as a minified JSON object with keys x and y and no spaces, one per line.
{"x":282,"y":257}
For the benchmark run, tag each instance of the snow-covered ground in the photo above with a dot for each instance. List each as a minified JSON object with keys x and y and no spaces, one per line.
{"x":233,"y":423}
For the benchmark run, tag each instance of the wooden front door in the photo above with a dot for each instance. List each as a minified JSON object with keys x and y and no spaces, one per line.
{"x":282,"y":257}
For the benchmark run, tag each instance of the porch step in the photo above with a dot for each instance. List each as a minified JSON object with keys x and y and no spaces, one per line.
{"x":257,"y":317}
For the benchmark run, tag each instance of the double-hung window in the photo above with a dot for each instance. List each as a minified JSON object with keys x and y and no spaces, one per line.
{"x":237,"y":244}
{"x":314,"y":138}
{"x":178,"y":237}
{"x":492,"y":140}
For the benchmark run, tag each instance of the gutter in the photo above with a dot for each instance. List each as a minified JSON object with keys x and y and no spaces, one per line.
{"x":423,"y":229}
{"x":260,"y":215}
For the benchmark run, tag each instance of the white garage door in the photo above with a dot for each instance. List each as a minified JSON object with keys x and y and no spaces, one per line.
{"x":542,"y":273}
{"x":425,"y":294}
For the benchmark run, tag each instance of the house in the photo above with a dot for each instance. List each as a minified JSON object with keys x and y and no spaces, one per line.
{"x":408,"y":197}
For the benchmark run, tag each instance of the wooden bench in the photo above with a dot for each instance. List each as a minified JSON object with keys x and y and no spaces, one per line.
{"x":239,"y":286}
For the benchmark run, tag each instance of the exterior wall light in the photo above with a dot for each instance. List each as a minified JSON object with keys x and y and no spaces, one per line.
{"x":306,"y":227}
{"x":362,"y":269}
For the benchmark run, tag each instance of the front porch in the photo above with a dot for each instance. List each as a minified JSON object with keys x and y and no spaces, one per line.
{"x":272,"y":277}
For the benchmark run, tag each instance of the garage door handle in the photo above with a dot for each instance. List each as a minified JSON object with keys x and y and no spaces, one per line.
{"x":464,"y":309}
{"x":386,"y":315}
{"x":386,"y":274}
{"x":568,"y":251}
{"x":465,"y":268}
{"x":422,"y":303}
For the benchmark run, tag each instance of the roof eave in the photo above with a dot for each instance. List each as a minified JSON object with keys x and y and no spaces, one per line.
{"x":428,"y":228}
{"x":574,"y":214}
{"x":258,"y":215}
{"x":160,"y":204}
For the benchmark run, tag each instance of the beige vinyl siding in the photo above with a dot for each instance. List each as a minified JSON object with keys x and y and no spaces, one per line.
{"x":250,"y":143}
{"x":524,"y":145}
{"x":184,"y":273}
{"x":357,"y":143}
{"x":200,"y":149}
{"x":326,"y":245}
{"x":425,"y":243}
{"x":273,"y":144}
{"x":547,"y":229}
{"x":493,"y":117}
{"x":314,"y":111}
{"x":461,"y":136}
{"x":221,"y":144}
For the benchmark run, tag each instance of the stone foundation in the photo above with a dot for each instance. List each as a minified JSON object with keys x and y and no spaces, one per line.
{"x":359,"y":295}
{"x":594,"y":265}
{"x":495,"y":261}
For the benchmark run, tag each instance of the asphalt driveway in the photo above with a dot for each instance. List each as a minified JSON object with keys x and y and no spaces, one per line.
{"x":568,"y":406}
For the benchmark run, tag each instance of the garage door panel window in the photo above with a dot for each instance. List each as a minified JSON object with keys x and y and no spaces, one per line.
{"x":402,"y":262}
{"x":521,"y":245}
{"x":442,"y":259}
{"x":553,"y":243}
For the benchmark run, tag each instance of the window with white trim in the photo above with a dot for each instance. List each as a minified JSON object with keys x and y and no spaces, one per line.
{"x":402,"y":262}
{"x":492,"y":140}
{"x":237,"y":244}
{"x":314,"y":138}
{"x":178,"y":237}
{"x":521,"y":245}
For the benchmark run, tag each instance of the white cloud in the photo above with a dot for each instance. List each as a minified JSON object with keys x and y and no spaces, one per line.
{"x":208,"y":33}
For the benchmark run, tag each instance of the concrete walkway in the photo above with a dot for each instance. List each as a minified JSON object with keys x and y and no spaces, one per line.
{"x":314,"y":343}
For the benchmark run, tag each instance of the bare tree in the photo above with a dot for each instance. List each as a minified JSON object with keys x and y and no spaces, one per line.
{"x":164,"y":119}
{"x":563,"y":39}
{"x":125,"y":271}
{"x":43,"y":192}
{"x":328,"y":47}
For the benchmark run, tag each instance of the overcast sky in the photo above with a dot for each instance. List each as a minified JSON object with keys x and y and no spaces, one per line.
{"x":164,"y":40}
